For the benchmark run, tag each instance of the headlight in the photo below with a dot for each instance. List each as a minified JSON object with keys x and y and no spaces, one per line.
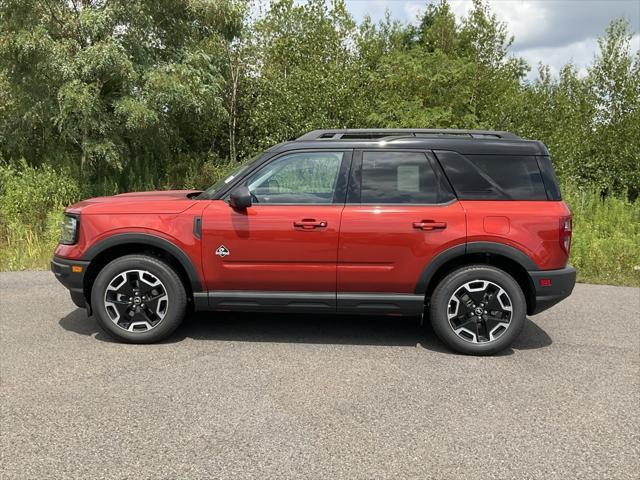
{"x":69,"y":230}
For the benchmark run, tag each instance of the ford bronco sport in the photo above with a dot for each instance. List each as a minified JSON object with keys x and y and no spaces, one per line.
{"x":465,"y":226}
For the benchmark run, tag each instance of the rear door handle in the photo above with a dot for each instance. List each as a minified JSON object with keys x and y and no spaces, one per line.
{"x":309,"y":224}
{"x":429,"y":225}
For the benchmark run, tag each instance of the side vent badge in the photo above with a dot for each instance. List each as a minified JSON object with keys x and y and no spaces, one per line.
{"x":222,"y":251}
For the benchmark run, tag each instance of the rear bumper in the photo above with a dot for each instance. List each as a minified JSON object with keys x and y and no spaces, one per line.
{"x":73,"y":281}
{"x":560,"y":285}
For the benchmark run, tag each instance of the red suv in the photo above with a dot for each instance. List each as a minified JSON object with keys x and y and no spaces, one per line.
{"x":465,"y":225}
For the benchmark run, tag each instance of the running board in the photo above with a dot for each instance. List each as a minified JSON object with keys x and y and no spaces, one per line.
{"x":310,"y":302}
{"x":380,"y":303}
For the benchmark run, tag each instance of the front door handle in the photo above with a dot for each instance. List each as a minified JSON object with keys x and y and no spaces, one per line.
{"x":429,"y":225}
{"x":309,"y":224}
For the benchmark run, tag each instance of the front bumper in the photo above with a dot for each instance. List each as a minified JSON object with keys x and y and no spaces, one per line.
{"x":72,"y":280}
{"x":551,"y":287}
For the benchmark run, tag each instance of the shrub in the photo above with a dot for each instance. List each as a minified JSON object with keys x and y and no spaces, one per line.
{"x":31,"y":204}
{"x":198,"y":173}
{"x":606,"y":237}
{"x":28,"y":194}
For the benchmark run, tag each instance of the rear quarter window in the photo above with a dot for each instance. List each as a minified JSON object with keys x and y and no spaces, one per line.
{"x":493,"y":177}
{"x":549,"y":178}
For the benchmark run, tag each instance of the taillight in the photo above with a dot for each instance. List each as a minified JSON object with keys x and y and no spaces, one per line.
{"x":566,"y":231}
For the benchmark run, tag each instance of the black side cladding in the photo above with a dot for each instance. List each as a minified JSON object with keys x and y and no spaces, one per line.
{"x":500,"y":177}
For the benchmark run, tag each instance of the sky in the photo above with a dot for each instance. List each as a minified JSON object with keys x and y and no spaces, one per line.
{"x":554,"y":32}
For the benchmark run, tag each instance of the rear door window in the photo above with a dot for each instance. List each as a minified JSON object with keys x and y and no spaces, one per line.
{"x":397,"y":177}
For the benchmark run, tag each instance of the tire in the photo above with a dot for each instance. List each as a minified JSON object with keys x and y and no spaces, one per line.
{"x":124,"y":285}
{"x":480,"y":299}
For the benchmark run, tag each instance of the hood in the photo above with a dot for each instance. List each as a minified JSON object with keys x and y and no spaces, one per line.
{"x":168,"y":201}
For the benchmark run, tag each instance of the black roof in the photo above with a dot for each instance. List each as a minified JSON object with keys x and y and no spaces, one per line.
{"x":477,"y":142}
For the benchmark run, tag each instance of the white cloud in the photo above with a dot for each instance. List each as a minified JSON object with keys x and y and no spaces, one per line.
{"x":526,"y":20}
{"x":579,"y":53}
{"x":413,"y":10}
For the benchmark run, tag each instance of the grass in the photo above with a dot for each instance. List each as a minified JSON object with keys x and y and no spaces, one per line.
{"x":26,"y":248}
{"x":606,"y":240}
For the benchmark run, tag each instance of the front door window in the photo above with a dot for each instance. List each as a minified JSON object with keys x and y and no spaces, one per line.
{"x":298,"y":178}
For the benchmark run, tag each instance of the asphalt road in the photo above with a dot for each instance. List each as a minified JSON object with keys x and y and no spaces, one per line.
{"x":257,"y":396}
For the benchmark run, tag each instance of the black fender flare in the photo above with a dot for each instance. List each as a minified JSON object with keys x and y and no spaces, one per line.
{"x":451,"y":253}
{"x":153,"y":241}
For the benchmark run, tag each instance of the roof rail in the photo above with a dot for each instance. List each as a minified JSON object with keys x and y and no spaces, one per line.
{"x":380,"y":133}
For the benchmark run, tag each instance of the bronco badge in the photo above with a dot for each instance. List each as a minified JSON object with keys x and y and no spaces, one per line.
{"x":222,"y":251}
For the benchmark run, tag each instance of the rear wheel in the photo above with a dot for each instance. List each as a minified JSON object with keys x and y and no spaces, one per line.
{"x":138,"y":299}
{"x":478,"y":310}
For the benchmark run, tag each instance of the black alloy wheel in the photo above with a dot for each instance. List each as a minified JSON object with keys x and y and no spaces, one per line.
{"x":136,"y":300}
{"x":478,"y":309}
{"x":139,"y":298}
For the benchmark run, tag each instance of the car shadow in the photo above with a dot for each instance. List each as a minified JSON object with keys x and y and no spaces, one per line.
{"x":314,"y":329}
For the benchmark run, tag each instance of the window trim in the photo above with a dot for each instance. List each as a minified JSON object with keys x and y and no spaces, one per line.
{"x":340,"y":189}
{"x":354,"y":189}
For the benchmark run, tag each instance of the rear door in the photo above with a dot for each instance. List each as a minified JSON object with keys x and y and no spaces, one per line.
{"x":287,"y":241}
{"x":400,"y":213}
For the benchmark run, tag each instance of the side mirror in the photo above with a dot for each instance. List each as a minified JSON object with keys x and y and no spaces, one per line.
{"x":240,"y":198}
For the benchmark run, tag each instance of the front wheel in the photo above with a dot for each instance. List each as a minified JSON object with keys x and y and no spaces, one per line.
{"x":478,"y":310}
{"x":138,"y":299}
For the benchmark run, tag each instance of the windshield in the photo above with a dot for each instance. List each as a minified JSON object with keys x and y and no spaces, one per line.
{"x":220,"y":184}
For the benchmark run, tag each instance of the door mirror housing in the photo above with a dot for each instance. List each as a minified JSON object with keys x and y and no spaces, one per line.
{"x":240,"y":198}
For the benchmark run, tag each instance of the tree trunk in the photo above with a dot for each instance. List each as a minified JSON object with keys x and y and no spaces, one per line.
{"x":83,"y":154}
{"x":233,"y":107}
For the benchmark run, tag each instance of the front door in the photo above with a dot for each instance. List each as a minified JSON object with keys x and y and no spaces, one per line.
{"x":400,"y":214}
{"x":281,"y":251}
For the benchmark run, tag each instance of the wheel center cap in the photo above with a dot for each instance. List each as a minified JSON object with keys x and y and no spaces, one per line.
{"x":137,"y":300}
{"x":479,"y":311}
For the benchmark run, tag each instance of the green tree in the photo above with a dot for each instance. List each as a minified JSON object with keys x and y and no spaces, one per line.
{"x":438,"y":29}
{"x":422,"y":82}
{"x":107,"y":84}
{"x":613,"y":162}
{"x":495,"y":76}
{"x":589,"y":122}
{"x":448,"y":74}
{"x":304,"y":73}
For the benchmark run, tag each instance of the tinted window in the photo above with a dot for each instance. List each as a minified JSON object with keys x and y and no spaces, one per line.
{"x":305,"y":177}
{"x":397,"y":177}
{"x":493,"y":177}
{"x":549,"y":178}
